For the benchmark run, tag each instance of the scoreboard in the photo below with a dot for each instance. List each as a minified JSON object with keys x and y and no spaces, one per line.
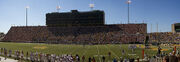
{"x":75,"y":18}
{"x":176,"y":27}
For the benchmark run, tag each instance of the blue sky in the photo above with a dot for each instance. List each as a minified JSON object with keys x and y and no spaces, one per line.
{"x":163,"y":12}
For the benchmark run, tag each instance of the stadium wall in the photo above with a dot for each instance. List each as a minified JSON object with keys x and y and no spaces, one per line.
{"x":117,"y":33}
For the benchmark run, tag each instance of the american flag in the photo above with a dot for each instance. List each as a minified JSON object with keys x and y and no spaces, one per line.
{"x":91,"y":5}
{"x":58,"y":7}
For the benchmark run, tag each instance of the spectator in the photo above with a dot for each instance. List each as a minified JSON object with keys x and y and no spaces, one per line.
{"x":114,"y":60}
{"x":103,"y":59}
{"x":83,"y":58}
{"x":89,"y":59}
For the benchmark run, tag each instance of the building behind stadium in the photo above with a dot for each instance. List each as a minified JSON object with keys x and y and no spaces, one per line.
{"x":176,"y":27}
{"x":78,"y":28}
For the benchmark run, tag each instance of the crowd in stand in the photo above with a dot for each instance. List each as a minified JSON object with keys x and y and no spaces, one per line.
{"x":164,"y":36}
{"x":101,"y":38}
{"x":89,"y":34}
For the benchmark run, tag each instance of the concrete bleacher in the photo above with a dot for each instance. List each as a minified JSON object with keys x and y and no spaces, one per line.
{"x":164,"y":37}
{"x":119,"y":33}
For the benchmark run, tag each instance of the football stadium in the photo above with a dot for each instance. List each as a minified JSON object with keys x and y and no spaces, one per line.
{"x":83,"y":36}
{"x":77,"y":28}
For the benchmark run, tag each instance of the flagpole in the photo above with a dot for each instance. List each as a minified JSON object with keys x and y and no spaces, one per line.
{"x":151,"y":28}
{"x":91,"y":5}
{"x":157,"y":27}
{"x":58,"y":8}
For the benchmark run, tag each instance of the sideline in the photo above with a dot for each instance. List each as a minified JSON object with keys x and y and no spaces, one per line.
{"x":7,"y":60}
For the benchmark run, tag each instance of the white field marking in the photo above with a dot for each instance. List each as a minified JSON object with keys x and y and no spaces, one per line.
{"x":73,"y":50}
{"x":86,"y":50}
{"x":131,"y":54}
{"x":7,"y":60}
{"x":69,"y":48}
{"x":111,"y":51}
{"x":98,"y":53}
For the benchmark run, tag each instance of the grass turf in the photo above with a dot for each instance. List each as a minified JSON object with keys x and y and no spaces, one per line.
{"x":96,"y":51}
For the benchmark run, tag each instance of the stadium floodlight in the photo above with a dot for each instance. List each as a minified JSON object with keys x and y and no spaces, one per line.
{"x":58,"y":8}
{"x":27,"y":7}
{"x":91,"y":6}
{"x":128,"y":2}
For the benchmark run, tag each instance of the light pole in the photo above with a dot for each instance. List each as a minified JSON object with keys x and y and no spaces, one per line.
{"x":128,"y":2}
{"x":27,"y":7}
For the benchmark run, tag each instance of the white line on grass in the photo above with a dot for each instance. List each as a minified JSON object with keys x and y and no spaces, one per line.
{"x":111,"y":51}
{"x":73,"y":50}
{"x":86,"y":50}
{"x":98,"y":53}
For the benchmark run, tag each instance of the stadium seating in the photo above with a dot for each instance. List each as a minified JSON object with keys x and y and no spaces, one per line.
{"x":119,"y":33}
{"x":164,"y":37}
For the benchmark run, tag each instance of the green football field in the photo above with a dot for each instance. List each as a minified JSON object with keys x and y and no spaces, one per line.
{"x":96,"y":51}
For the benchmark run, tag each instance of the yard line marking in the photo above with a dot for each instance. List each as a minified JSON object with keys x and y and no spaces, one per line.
{"x":98,"y":53}
{"x":86,"y":50}
{"x":73,"y":50}
{"x":111,"y":51}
